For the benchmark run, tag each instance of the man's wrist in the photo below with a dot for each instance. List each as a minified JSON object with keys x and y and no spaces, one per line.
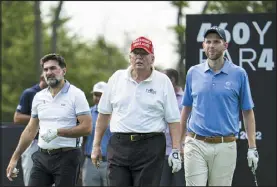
{"x":176,"y":145}
{"x":96,"y":145}
{"x":61,"y":131}
{"x":15,"y":157}
{"x":174,"y":148}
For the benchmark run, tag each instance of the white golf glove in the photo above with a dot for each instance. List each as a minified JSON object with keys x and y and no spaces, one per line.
{"x":49,"y":135}
{"x":253,"y":157}
{"x":174,"y":160}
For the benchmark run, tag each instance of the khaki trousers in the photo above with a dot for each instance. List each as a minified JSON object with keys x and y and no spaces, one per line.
{"x":207,"y":163}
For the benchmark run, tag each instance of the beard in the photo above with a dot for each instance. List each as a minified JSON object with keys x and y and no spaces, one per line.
{"x":215,"y":56}
{"x":53,"y":82}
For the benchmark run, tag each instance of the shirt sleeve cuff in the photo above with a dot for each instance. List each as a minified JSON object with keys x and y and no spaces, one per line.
{"x":83,"y":113}
{"x":173,"y":120}
{"x":104,"y":111}
{"x":34,"y":116}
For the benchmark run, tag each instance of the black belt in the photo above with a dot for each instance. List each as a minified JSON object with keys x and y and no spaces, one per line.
{"x":137,"y":136}
{"x":55,"y":151}
{"x":104,"y":159}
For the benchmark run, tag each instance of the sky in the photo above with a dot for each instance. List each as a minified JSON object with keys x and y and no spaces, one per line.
{"x":123,"y":21}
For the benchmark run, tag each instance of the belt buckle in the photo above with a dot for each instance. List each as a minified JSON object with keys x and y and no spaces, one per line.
{"x":133,"y":137}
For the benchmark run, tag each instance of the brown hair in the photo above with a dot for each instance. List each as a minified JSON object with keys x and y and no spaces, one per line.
{"x":53,"y":56}
{"x":172,"y":73}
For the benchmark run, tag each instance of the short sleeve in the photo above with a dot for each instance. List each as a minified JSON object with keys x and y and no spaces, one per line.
{"x":172,"y":112}
{"x":246,"y":102}
{"x":34,"y":110}
{"x":105,"y":105}
{"x":81,"y":104}
{"x":187,"y":97}
{"x":24,"y":106}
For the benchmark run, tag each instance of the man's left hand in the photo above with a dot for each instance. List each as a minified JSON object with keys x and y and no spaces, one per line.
{"x":174,"y":160}
{"x":253,"y":158}
{"x":49,"y":135}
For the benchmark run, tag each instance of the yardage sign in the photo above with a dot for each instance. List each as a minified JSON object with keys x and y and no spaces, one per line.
{"x":252,"y":45}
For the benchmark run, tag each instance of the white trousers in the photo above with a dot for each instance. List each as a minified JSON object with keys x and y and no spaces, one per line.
{"x":27,"y":162}
{"x":208,"y":163}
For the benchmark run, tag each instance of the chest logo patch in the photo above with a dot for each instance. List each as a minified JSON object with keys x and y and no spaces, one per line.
{"x":151,"y":90}
{"x":228,"y":85}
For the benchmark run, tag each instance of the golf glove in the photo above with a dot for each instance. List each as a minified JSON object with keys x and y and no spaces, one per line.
{"x":49,"y":135}
{"x":253,"y":158}
{"x":174,"y":160}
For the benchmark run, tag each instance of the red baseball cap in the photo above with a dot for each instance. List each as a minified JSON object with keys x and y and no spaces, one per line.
{"x":143,"y":43}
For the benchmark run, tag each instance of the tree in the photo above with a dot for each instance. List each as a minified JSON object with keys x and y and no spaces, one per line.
{"x":87,"y":62}
{"x":205,"y":7}
{"x":56,"y":23}
{"x":220,"y":7}
{"x":37,"y":38}
{"x":17,"y":53}
{"x":179,"y":30}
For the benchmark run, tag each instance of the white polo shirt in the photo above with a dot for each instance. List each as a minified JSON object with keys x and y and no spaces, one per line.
{"x":139,"y":107}
{"x":59,"y":112}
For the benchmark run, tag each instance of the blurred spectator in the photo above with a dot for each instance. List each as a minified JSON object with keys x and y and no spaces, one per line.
{"x":169,"y":178}
{"x":92,"y":176}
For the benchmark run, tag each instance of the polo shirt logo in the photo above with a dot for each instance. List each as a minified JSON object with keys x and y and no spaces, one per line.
{"x":228,"y":85}
{"x":151,"y":90}
{"x":62,"y":104}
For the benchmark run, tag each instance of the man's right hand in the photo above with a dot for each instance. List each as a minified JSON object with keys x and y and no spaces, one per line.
{"x":11,"y":170}
{"x":96,"y":156}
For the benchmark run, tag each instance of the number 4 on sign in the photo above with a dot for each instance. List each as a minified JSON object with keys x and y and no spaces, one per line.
{"x":266,"y":60}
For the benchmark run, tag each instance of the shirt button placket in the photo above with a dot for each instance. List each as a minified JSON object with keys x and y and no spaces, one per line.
{"x":213,"y":88}
{"x":213,"y":81}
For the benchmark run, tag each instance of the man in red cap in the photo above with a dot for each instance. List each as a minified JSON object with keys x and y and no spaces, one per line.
{"x":140,"y":103}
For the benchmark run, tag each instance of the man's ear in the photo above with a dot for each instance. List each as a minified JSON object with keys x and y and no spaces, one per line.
{"x":153,"y":59}
{"x":226,"y":45}
{"x":64,"y":71}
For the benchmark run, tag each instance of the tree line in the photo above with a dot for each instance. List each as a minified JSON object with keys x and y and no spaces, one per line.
{"x":26,"y":37}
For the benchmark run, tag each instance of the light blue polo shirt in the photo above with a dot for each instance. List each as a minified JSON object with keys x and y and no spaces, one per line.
{"x":106,"y":137}
{"x":216,"y":99}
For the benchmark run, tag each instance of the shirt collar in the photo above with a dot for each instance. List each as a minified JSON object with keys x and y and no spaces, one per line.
{"x":94,"y":108}
{"x":224,"y":69}
{"x":65,"y":87}
{"x":128,"y":74}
